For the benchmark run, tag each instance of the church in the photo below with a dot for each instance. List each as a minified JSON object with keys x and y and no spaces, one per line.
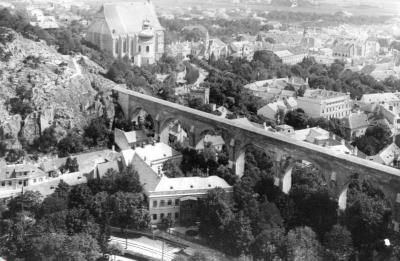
{"x":129,"y":29}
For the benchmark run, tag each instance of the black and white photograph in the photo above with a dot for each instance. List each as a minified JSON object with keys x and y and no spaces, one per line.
{"x":199,"y":130}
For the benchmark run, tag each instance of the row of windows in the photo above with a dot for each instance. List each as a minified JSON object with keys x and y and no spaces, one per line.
{"x":331,"y":109}
{"x":125,"y":47}
{"x":162,"y":215}
{"x":162,"y":203}
{"x":20,"y":182}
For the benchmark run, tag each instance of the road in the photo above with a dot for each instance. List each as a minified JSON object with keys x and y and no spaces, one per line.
{"x":148,"y":247}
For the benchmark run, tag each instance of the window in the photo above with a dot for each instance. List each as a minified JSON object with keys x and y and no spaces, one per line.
{"x":176,"y":215}
{"x":176,"y":202}
{"x":169,"y":202}
{"x":3,"y":184}
{"x":154,"y":203}
{"x":116,"y":47}
{"x":9,"y":183}
{"x":154,"y":216}
{"x":162,"y":203}
{"x":147,"y":49}
{"x":140,"y":48}
{"x":34,"y":180}
{"x":162,"y":215}
{"x":20,"y":182}
{"x":169,"y":215}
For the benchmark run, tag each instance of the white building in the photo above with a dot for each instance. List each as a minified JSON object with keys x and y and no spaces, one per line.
{"x":391,"y":100}
{"x":323,"y":103}
{"x":169,"y":198}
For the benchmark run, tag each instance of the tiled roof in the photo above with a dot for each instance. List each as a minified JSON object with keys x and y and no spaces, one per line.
{"x":127,"y":17}
{"x":190,"y":183}
{"x":356,"y":121}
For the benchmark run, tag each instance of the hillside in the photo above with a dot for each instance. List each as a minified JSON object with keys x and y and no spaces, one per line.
{"x":39,"y":87}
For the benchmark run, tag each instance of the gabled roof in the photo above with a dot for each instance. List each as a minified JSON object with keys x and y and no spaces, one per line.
{"x":388,"y":154}
{"x":102,"y":168}
{"x":127,"y":17}
{"x":356,"y":121}
{"x":215,"y":140}
{"x":135,"y":136}
{"x":379,"y":97}
{"x":190,"y":183}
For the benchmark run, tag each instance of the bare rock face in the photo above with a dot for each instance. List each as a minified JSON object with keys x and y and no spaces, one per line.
{"x":61,"y":90}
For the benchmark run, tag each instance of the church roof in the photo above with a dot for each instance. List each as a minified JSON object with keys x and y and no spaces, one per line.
{"x":127,"y":18}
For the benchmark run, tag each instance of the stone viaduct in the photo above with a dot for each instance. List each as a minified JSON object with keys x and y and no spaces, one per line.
{"x":336,"y":168}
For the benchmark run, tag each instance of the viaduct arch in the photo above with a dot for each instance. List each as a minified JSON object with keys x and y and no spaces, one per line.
{"x":337,"y":168}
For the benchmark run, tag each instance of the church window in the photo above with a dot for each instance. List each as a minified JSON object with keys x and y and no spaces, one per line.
{"x":116,"y":47}
{"x":124,"y":45}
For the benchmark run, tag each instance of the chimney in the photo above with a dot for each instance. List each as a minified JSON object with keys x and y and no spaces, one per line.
{"x":343,"y":141}
{"x":355,"y":151}
{"x":265,"y":125}
{"x":113,"y":148}
{"x":307,"y":80}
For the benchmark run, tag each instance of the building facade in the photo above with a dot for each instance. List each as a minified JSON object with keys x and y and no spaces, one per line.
{"x":323,"y":103}
{"x":129,"y":29}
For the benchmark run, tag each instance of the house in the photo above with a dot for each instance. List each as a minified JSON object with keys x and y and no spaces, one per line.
{"x":324,"y":138}
{"x":344,"y":50}
{"x":177,"y":133}
{"x":323,"y":103}
{"x":216,"y":48}
{"x":289,"y":58}
{"x":392,"y":115}
{"x":386,"y":99}
{"x":126,"y":140}
{"x":17,"y":176}
{"x":388,"y":156}
{"x":214,"y":141}
{"x":154,"y":155}
{"x":175,"y":199}
{"x":129,"y":29}
{"x":179,"y":50}
{"x":355,"y":125}
{"x":285,"y":129}
{"x":371,"y":47}
{"x":270,"y":110}
{"x":241,"y":49}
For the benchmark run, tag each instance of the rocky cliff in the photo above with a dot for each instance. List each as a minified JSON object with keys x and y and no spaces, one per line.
{"x":39,"y":88}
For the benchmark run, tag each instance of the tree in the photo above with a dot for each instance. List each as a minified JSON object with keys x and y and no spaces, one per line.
{"x":297,"y":119}
{"x":314,"y":206}
{"x":71,"y":165}
{"x":97,"y":131}
{"x":367,"y":214}
{"x":80,"y":196}
{"x":61,"y":247}
{"x":269,"y":244}
{"x":115,"y":248}
{"x":215,"y":215}
{"x":338,"y":243}
{"x":28,"y":201}
{"x":72,"y":143}
{"x":375,"y":139}
{"x":14,"y":155}
{"x":238,"y":235}
{"x":302,"y":244}
{"x":47,"y":141}
{"x":129,"y":211}
{"x":170,"y":170}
